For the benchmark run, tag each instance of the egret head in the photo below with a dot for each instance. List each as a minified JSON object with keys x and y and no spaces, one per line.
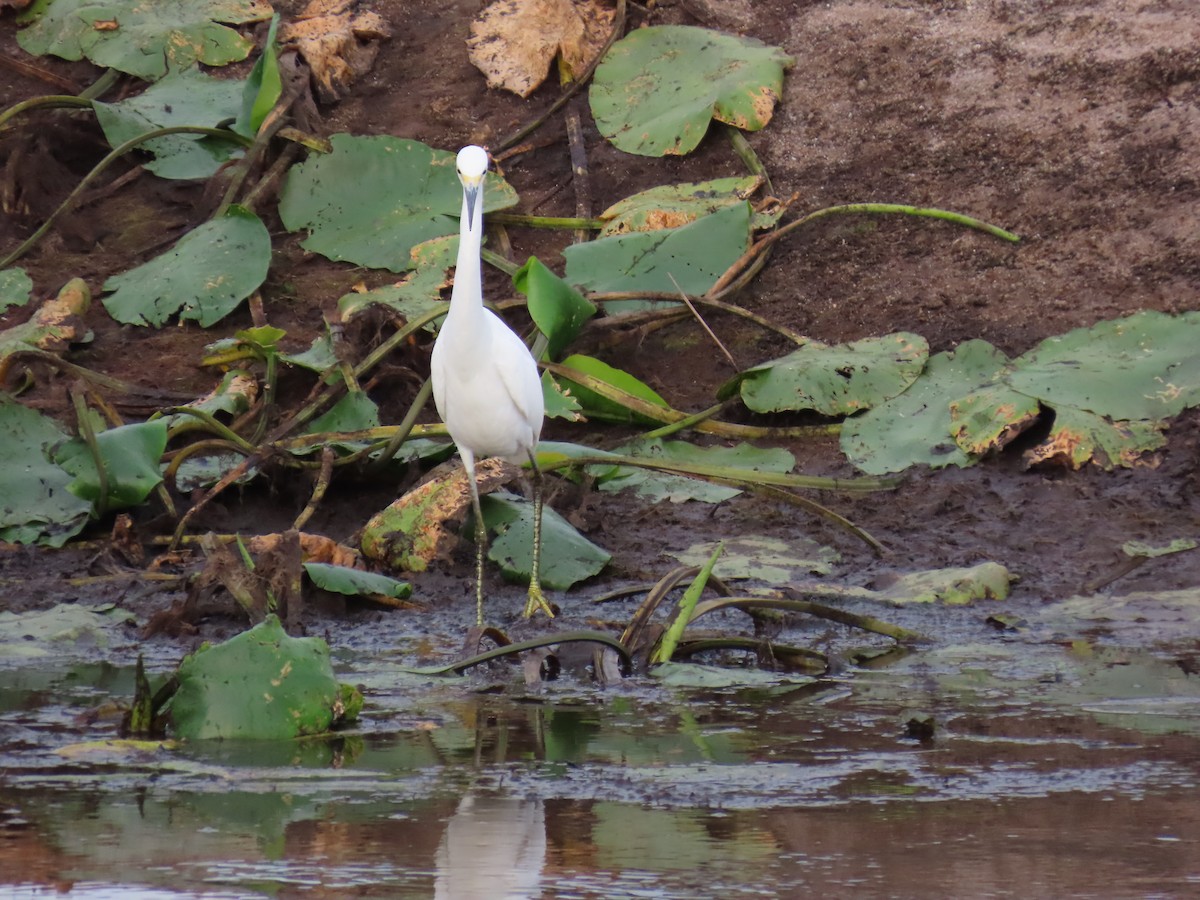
{"x":472,"y":165}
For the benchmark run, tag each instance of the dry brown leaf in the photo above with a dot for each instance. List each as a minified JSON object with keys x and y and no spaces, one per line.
{"x":513,"y":42}
{"x":337,"y":40}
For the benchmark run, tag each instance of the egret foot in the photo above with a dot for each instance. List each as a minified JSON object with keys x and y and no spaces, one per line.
{"x":537,"y":600}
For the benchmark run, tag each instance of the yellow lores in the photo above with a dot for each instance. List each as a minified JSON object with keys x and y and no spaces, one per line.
{"x":485,"y":381}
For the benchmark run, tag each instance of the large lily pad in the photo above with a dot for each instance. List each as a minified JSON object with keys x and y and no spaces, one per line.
{"x":567,"y":556}
{"x":260,"y":685}
{"x":657,"y":89}
{"x":1144,"y":366}
{"x":419,"y":292}
{"x":189,"y":97}
{"x":675,"y":205}
{"x":1078,"y":437}
{"x":689,"y":259}
{"x":915,"y":427}
{"x":659,"y":486}
{"x":141,"y":37}
{"x":834,"y":380}
{"x":203,"y":277}
{"x":373,"y":199}
{"x":35,"y":505}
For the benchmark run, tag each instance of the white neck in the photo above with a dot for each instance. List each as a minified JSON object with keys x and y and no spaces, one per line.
{"x":467,"y":271}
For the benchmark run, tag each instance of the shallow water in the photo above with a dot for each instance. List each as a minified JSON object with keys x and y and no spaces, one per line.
{"x":1026,"y":788}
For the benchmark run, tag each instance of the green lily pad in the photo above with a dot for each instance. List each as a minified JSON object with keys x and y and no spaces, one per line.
{"x":35,"y":504}
{"x":261,"y":685}
{"x":203,"y":277}
{"x":915,"y":427}
{"x":990,"y":418}
{"x":354,"y":412}
{"x":675,"y":205}
{"x":419,"y":292}
{"x":16,"y":287}
{"x":657,"y":88}
{"x":688,"y":259}
{"x":373,"y":199}
{"x":659,"y":486}
{"x":187,"y":97}
{"x":145,"y":37}
{"x":1144,"y":366}
{"x":567,"y":556}
{"x":834,"y":380}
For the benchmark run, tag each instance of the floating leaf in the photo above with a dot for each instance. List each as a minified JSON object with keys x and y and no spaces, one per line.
{"x":597,"y":406}
{"x":1078,"y":436}
{"x":658,"y":87}
{"x":834,"y":380}
{"x":659,"y":486}
{"x":567,"y":556}
{"x":689,"y":259}
{"x":1144,"y":366}
{"x":557,"y":309}
{"x":698,"y":677}
{"x":675,"y":205}
{"x":35,"y":505}
{"x":142,"y":38}
{"x":187,"y":97}
{"x":16,"y":288}
{"x":260,"y":685}
{"x":203,"y":277}
{"x":765,"y":558}
{"x":130,"y":455}
{"x":373,"y":199}
{"x":356,"y":582}
{"x":65,"y":628}
{"x":417,"y":293}
{"x":953,"y":587}
{"x":513,"y":42}
{"x":914,"y":428}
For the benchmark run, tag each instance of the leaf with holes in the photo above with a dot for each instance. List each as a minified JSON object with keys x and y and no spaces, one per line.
{"x":914,"y":428}
{"x":689,"y":259}
{"x":1079,"y":436}
{"x":189,"y":97}
{"x":834,"y":380}
{"x":657,"y":89}
{"x":675,"y":205}
{"x":141,"y":37}
{"x":373,"y":199}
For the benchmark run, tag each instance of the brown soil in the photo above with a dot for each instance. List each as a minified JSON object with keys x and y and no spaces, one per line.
{"x":1071,"y":122}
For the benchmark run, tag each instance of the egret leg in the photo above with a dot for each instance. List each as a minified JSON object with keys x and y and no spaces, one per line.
{"x":537,"y":600}
{"x":468,"y":459}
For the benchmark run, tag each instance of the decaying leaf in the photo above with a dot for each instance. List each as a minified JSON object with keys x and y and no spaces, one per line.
{"x":513,"y":42}
{"x":1079,"y":436}
{"x":57,"y":324}
{"x":338,"y":41}
{"x":418,"y":528}
{"x":990,"y":418}
{"x":952,"y":587}
{"x":675,"y":205}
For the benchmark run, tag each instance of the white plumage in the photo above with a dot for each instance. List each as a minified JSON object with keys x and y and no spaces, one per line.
{"x":485,"y":381}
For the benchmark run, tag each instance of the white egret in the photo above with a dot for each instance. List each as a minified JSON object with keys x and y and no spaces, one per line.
{"x":485,"y":381}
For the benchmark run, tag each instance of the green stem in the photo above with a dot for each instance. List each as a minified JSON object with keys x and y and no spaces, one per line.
{"x":115,"y":154}
{"x":495,"y":259}
{"x":820,"y":610}
{"x":726,"y":474}
{"x":50,"y":101}
{"x":89,"y":438}
{"x":889,"y":209}
{"x":747,"y":155}
{"x":101,"y":85}
{"x":404,"y":429}
{"x":214,"y":425}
